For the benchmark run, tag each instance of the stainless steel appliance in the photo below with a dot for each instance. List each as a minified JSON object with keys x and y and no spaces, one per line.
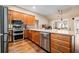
{"x":45,"y":41}
{"x":17,"y":29}
{"x":3,"y":29}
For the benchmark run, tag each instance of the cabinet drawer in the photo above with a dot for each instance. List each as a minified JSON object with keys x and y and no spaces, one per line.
{"x":54,"y":50}
{"x":61,"y":37}
{"x":64,"y":38}
{"x":60,"y":48}
{"x":60,"y":42}
{"x":53,"y":45}
{"x":64,"y":49}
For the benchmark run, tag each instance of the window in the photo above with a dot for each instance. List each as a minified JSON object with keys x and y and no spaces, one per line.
{"x":77,"y":26}
{"x":61,"y":24}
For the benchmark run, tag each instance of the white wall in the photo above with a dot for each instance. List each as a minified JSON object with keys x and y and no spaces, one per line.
{"x":42,"y":19}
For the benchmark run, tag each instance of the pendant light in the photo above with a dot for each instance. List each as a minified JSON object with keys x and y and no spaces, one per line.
{"x":60,"y":14}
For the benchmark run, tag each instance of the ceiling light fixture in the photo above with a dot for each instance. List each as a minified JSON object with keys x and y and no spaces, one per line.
{"x":34,"y":7}
{"x":60,"y":14}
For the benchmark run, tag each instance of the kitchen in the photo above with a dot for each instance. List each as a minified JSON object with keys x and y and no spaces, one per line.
{"x":41,"y":29}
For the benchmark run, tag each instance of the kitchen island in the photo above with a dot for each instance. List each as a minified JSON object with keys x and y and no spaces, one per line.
{"x":60,"y":41}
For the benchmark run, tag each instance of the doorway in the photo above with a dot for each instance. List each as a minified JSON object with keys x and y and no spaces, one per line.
{"x":76,"y":30}
{"x":36,"y":24}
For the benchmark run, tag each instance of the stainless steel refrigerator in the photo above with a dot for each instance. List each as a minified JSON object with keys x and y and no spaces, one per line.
{"x":3,"y":29}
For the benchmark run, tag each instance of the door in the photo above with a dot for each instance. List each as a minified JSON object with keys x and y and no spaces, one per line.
{"x":76,"y":29}
{"x":3,"y":29}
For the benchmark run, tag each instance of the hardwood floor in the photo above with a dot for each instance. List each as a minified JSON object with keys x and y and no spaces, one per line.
{"x":24,"y":46}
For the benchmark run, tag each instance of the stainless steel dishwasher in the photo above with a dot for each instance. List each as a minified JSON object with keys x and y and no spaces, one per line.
{"x":45,"y":41}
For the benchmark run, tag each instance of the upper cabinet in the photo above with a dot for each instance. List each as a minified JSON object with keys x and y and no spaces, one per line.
{"x":27,"y":19}
{"x":17,"y":15}
{"x":21,"y":17}
{"x":10,"y":15}
{"x":31,"y":19}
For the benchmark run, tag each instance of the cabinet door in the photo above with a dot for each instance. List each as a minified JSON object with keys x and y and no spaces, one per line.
{"x":20,"y":16}
{"x":36,"y":37}
{"x":25,"y":18}
{"x":30,"y":34}
{"x":30,"y":19}
{"x":25,"y":33}
{"x":15,"y":15}
{"x":33,"y":36}
{"x":10,"y":15}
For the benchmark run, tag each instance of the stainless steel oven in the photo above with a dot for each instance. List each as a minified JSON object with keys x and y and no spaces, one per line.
{"x":17,"y":29}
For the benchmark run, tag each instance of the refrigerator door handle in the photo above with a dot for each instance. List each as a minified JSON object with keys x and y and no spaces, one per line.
{"x":5,"y":33}
{"x":1,"y":34}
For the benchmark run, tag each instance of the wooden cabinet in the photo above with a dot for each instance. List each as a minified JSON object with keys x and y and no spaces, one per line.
{"x":21,"y":16}
{"x":10,"y":36}
{"x":60,"y":43}
{"x":36,"y":37}
{"x":31,"y":20}
{"x":10,"y":15}
{"x":25,"y":18}
{"x":32,"y":35}
{"x":28,"y":34}
{"x":28,"y":19}
{"x":15,"y":15}
{"x":25,"y":34}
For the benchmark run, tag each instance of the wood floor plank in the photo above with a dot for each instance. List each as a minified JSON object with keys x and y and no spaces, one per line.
{"x":24,"y":46}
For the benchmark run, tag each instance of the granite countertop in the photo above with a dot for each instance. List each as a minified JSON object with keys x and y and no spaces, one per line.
{"x":65,"y":32}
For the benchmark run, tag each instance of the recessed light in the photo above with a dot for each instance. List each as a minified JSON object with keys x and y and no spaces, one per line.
{"x":34,"y":7}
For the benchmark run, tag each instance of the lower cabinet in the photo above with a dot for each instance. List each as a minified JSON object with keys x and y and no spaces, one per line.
{"x":10,"y":36}
{"x":28,"y":34}
{"x":25,"y":34}
{"x":32,"y":35}
{"x":36,"y":37}
{"x":61,"y":43}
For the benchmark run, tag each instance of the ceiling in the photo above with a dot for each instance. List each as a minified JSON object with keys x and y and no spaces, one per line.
{"x":45,"y":10}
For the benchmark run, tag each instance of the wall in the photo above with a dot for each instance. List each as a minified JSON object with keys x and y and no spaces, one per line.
{"x":68,"y":14}
{"x":42,"y":19}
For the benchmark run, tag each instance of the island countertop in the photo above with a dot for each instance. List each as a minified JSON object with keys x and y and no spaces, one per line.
{"x":65,"y":32}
